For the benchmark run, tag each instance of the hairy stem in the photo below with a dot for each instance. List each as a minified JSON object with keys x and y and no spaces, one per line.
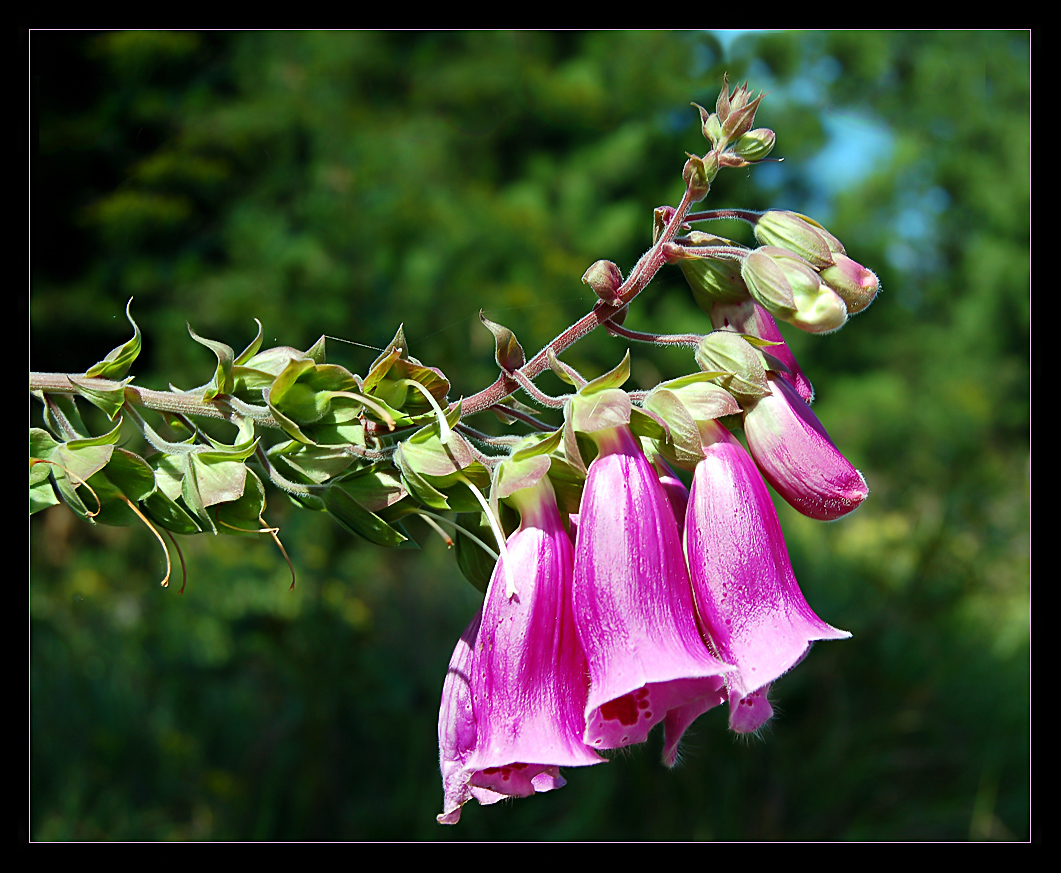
{"x":642,"y":273}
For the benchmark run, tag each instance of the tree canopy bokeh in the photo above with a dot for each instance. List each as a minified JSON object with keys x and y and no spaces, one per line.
{"x":344,"y":183}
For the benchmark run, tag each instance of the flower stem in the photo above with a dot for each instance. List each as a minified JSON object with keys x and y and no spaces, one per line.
{"x":642,"y":273}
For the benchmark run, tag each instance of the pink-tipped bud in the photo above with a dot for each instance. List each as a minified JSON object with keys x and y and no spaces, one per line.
{"x":856,"y":285}
{"x":797,"y":457}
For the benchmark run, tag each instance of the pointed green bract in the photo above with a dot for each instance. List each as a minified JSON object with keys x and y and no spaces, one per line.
{"x":118,"y":360}
{"x":222,"y":381}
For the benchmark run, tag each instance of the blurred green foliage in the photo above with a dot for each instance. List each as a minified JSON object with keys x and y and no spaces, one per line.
{"x":343,"y":183}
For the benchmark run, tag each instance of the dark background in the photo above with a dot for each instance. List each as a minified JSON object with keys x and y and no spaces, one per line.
{"x":342,"y":183}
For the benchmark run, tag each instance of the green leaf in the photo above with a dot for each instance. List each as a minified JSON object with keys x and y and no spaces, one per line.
{"x":118,"y":360}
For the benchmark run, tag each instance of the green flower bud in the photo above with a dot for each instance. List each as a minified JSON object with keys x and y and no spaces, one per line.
{"x":729,"y":352}
{"x":710,"y":126}
{"x":799,"y":234}
{"x":754,"y":145}
{"x":820,"y":312}
{"x":712,"y":280}
{"x":736,"y":111}
{"x":856,"y":285}
{"x":776,"y":277}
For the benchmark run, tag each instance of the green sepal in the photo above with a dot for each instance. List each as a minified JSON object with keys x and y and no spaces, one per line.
{"x":119,"y":359}
{"x":41,"y":493}
{"x":316,"y":351}
{"x":65,"y":406}
{"x":476,"y":565}
{"x":600,"y":410}
{"x":222,"y":381}
{"x":568,"y":483}
{"x":167,"y":513}
{"x":220,"y":475}
{"x":434,"y":473}
{"x":242,"y":517}
{"x":388,"y":375}
{"x":261,"y":369}
{"x":646,"y":423}
{"x":346,"y":510}
{"x":310,"y":465}
{"x":614,"y":378}
{"x":376,"y":490}
{"x":125,"y":474}
{"x":508,"y":353}
{"x":684,"y":444}
{"x":514,"y":475}
{"x":538,"y":444}
{"x":252,"y":348}
{"x":110,"y":400}
{"x":422,"y":490}
{"x":77,"y":461}
{"x":303,"y":392}
{"x":564,"y":371}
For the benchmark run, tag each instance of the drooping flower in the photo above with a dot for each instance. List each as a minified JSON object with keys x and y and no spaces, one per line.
{"x":797,"y":457}
{"x":633,"y":603}
{"x":456,"y":730}
{"x":522,"y":691}
{"x":751,"y":608}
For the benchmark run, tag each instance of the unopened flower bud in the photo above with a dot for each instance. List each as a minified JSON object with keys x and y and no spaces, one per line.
{"x":799,"y":234}
{"x":773,"y":276}
{"x":710,"y":126}
{"x":788,"y":287}
{"x":754,"y":145}
{"x":698,"y":174}
{"x":605,"y":279}
{"x":728,"y":352}
{"x":822,"y":311}
{"x":736,"y":111}
{"x":712,"y":280}
{"x":856,"y":285}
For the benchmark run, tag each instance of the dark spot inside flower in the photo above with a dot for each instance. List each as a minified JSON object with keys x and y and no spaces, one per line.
{"x":622,"y":709}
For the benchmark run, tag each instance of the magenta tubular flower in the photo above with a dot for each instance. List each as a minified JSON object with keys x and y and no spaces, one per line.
{"x":751,"y":319}
{"x":750,"y":606}
{"x":523,"y":689}
{"x":798,"y":459}
{"x":633,"y":603}
{"x":456,"y":730}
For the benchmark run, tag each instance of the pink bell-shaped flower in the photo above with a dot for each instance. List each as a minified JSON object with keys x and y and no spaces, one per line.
{"x":749,"y":604}
{"x":633,"y":603}
{"x":797,"y":458}
{"x":456,"y":730}
{"x":523,"y":688}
